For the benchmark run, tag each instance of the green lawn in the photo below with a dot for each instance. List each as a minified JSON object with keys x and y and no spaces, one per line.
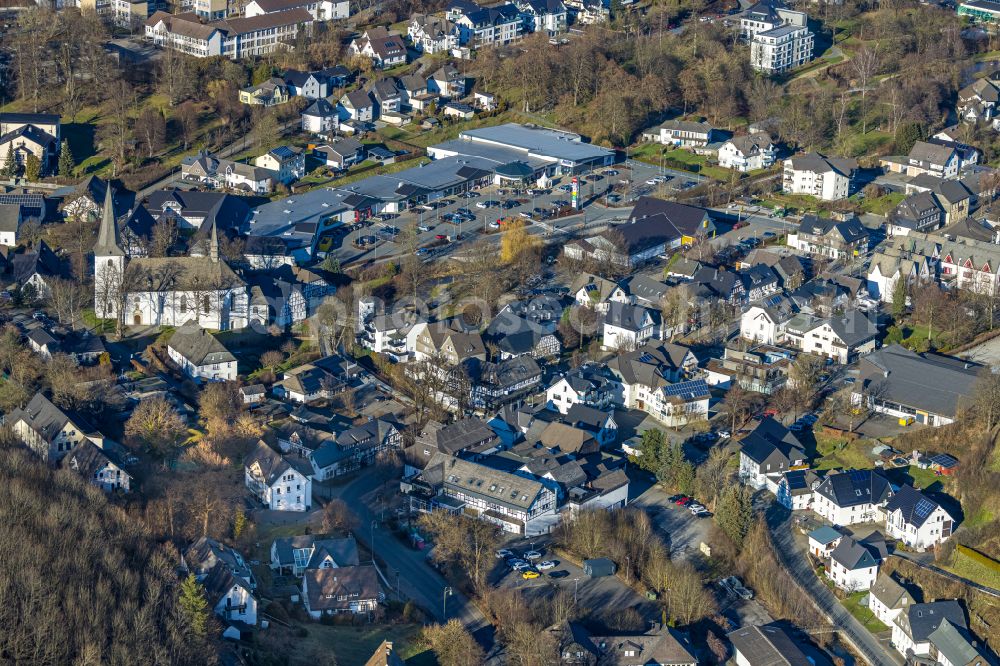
{"x":966,"y":567}
{"x":838,"y":452}
{"x":678,"y":158}
{"x":880,"y":205}
{"x":862,"y":613}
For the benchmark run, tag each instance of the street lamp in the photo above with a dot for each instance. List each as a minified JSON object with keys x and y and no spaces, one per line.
{"x":372,"y":541}
{"x":576,"y":584}
{"x":444,"y":602}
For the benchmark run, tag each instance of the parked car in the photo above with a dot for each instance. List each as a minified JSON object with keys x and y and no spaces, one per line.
{"x":734,"y":586}
{"x":682,"y":500}
{"x":532,"y":555}
{"x":528,"y":574}
{"x":519,"y":565}
{"x":547,"y":564}
{"x":424,"y":227}
{"x":504,"y":553}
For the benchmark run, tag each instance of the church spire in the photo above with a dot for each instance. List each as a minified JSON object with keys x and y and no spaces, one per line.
{"x":108,"y":241}
{"x":213,"y":244}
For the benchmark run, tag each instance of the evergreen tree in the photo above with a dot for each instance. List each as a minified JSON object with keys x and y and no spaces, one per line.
{"x":193,"y":606}
{"x":650,"y":448}
{"x":908,"y":134}
{"x":240,"y":523}
{"x":899,"y":298}
{"x":262,"y":73}
{"x":10,"y":164}
{"x":32,"y":168}
{"x":66,"y":161}
{"x":734,"y":513}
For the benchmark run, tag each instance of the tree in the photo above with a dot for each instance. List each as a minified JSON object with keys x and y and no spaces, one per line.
{"x":804,"y":375}
{"x":466,"y":541}
{"x":152,"y":129}
{"x":266,"y":131}
{"x":10,"y":162}
{"x":686,"y":598}
{"x":187,"y":120}
{"x":338,"y":517}
{"x":66,"y":161}
{"x":517,"y":245}
{"x":453,"y":645}
{"x":163,"y":237}
{"x":271,"y":359}
{"x":738,"y":404}
{"x":240,"y":523}
{"x":32,"y":168}
{"x":899,"y":298}
{"x":908,"y":134}
{"x":156,"y":424}
{"x":674,"y":310}
{"x":651,"y":446}
{"x":193,"y":607}
{"x":986,"y":398}
{"x":865,"y":64}
{"x":712,"y":476}
{"x":734,"y":514}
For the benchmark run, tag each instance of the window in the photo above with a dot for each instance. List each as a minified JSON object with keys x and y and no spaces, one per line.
{"x":206,"y":305}
{"x":184,"y":303}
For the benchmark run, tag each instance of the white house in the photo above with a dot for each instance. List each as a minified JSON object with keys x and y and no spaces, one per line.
{"x":913,"y":627}
{"x":852,"y":496}
{"x":841,"y":338}
{"x":590,"y":385}
{"x":385,"y":49}
{"x":48,"y":431}
{"x":432,"y":34}
{"x":357,"y":105}
{"x":289,"y":163}
{"x":887,"y":599}
{"x":767,"y":453}
{"x":321,"y":10}
{"x":748,"y":152}
{"x":320,"y":117}
{"x":11,"y":219}
{"x":98,"y":467}
{"x":853,"y":566}
{"x":231,"y":597}
{"x":826,"y":178}
{"x":275,"y":482}
{"x":296,"y":554}
{"x":200,"y":356}
{"x":763,"y":324}
{"x":822,"y":541}
{"x":681,"y":133}
{"x":917,"y":520}
{"x":627,"y":327}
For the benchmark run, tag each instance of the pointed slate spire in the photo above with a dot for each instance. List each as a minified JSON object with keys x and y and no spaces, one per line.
{"x":213,"y":244}
{"x":108,"y":240}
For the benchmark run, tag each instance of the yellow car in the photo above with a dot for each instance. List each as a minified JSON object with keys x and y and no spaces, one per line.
{"x":529,"y":574}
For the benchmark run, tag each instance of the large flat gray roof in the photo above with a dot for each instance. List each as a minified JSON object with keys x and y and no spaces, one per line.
{"x":488,"y":151}
{"x":434,"y":176}
{"x":538,"y":142}
{"x":281,"y":217}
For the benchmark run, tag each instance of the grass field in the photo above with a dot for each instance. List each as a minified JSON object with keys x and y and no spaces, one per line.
{"x":838,"y":452}
{"x":862,"y":613}
{"x":967,"y":567}
{"x":881,"y":205}
{"x":353,"y":646}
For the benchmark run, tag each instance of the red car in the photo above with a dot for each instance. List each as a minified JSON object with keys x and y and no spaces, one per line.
{"x":683,"y":500}
{"x":441,"y":237}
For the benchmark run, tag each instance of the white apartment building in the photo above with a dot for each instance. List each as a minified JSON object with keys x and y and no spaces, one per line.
{"x":917,"y":520}
{"x":234,"y":38}
{"x":779,"y":50}
{"x":826,"y":178}
{"x":748,"y":152}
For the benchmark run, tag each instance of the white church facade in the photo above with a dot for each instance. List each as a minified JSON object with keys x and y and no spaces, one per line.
{"x":165,"y":291}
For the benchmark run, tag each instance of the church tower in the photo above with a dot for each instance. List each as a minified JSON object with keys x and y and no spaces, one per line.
{"x":109,"y":260}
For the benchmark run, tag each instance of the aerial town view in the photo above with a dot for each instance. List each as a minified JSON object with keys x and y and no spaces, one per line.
{"x":500,"y":332}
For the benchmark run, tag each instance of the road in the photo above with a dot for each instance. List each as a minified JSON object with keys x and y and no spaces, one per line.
{"x":417,"y":580}
{"x":795,"y":561}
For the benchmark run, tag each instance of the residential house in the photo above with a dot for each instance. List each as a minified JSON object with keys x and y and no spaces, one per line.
{"x":779,"y":37}
{"x":459,"y":110}
{"x":917,"y":212}
{"x":952,"y":645}
{"x":253,"y":394}
{"x":588,"y":12}
{"x":671,"y":362}
{"x":432,"y":34}
{"x":887,"y":599}
{"x":826,"y":178}
{"x":822,"y":541}
{"x":549,"y":17}
{"x":656,"y":379}
{"x":385,"y":49}
{"x":484,"y":101}
{"x":341,"y":590}
{"x":761,"y":368}
{"x":278,"y":482}
{"x":796,"y":489}
{"x":200,"y":355}
{"x":296,"y":554}
{"x":913,"y":627}
{"x":311,"y":85}
{"x":34,"y":268}
{"x":627,"y":327}
{"x":494,"y":385}
{"x":385,"y":655}
{"x":97,"y":466}
{"x":444,"y":340}
{"x":11,"y":219}
{"x":748,"y":152}
{"x":198,"y":210}
{"x":320,"y":117}
{"x":916,"y":520}
{"x":836,"y":239}
{"x":49,"y":431}
{"x":517,"y":336}
{"x":38,"y":134}
{"x":341,"y":154}
{"x":354,"y":448}
{"x":641,"y":290}
{"x":769,"y":644}
{"x":357,"y":105}
{"x":659,"y":645}
{"x":765,"y":324}
{"x":415,"y":95}
{"x":231,"y":599}
{"x":925,"y":157}
{"x":515,"y":503}
{"x":590,"y":384}
{"x":954,"y":198}
{"x":682,"y":133}
{"x":387,"y":94}
{"x":841,"y":337}
{"x":767,"y":453}
{"x":759,"y":282}
{"x":977,"y":102}
{"x":468,"y":437}
{"x":320,"y":380}
{"x":926,"y":388}
{"x":716,"y":283}
{"x":853,"y":565}
{"x":269,"y":93}
{"x":288,"y":162}
{"x":852,"y":496}
{"x":448,"y":82}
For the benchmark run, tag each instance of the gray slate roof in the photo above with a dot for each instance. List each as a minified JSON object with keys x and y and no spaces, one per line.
{"x":199,"y":346}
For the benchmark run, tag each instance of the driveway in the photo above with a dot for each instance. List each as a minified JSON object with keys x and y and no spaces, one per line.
{"x":792,"y":555}
{"x":408,"y":568}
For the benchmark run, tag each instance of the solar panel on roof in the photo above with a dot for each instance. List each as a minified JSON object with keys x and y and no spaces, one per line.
{"x":923,"y":508}
{"x":696,"y":387}
{"x":858,"y":476}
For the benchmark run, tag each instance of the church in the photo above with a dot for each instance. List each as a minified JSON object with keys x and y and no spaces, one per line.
{"x":164,"y":291}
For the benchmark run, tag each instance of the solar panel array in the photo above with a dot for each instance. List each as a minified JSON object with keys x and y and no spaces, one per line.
{"x":923,"y":508}
{"x":695,"y":387}
{"x":859,"y":476}
{"x":796,"y":480}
